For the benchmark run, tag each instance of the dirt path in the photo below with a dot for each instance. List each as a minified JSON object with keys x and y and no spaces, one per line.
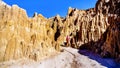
{"x":69,"y":58}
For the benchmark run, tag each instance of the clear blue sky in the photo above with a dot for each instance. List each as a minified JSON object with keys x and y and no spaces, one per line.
{"x":50,"y":8}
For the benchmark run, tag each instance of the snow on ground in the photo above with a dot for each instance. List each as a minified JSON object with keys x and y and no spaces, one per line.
{"x":69,"y":58}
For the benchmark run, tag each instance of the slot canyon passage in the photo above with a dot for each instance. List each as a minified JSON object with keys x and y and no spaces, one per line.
{"x":83,"y":39}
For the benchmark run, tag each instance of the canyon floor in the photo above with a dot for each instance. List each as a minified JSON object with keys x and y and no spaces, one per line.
{"x":68,"y":58}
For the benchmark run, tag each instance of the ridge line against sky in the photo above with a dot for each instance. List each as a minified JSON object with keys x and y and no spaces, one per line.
{"x":50,"y":8}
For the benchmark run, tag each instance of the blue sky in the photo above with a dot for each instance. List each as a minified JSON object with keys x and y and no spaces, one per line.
{"x":50,"y":8}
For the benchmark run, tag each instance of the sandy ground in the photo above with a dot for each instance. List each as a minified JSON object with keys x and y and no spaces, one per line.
{"x":69,"y":58}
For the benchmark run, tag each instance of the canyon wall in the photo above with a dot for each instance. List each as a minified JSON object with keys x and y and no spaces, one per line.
{"x":97,"y":29}
{"x":21,"y":36}
{"x":109,"y":43}
{"x":82,"y":26}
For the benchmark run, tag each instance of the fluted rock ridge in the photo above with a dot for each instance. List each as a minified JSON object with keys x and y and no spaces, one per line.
{"x":108,"y":45}
{"x":21,"y":36}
